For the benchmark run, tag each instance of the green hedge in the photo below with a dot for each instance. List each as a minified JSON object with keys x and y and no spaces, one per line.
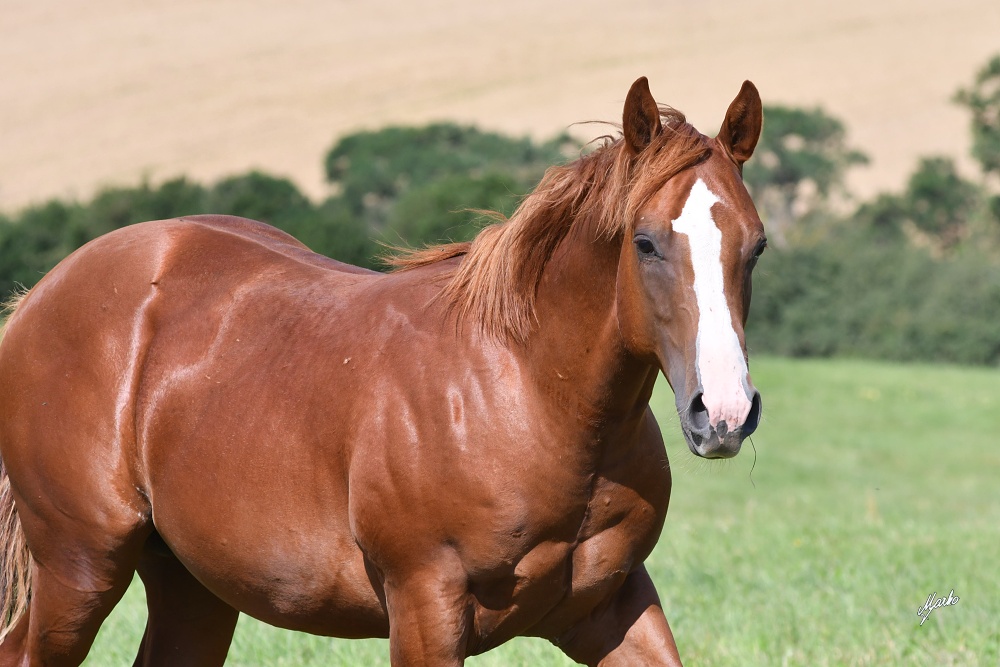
{"x":398,"y":185}
{"x":855,"y":296}
{"x":34,"y":241}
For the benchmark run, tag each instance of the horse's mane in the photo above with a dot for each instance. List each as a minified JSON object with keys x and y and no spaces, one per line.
{"x":496,"y":282}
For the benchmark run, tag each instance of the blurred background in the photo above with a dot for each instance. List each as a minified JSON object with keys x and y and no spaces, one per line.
{"x":875,"y":329}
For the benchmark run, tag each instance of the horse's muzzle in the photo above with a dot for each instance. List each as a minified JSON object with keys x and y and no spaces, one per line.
{"x":722,"y":441}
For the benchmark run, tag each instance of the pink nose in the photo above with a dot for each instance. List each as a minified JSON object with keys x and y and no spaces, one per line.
{"x":731,"y":407}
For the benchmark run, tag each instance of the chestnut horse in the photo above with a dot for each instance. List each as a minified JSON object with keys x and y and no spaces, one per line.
{"x":449,"y":455}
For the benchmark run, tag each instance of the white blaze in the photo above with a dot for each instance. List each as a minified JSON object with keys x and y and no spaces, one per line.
{"x":721,"y":367}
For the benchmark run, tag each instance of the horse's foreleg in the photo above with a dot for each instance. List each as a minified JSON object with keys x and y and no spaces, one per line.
{"x":628,"y":629}
{"x":187,"y":624}
{"x":428,"y":621}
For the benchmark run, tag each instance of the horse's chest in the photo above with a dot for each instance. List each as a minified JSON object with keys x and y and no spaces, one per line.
{"x":557,"y":579}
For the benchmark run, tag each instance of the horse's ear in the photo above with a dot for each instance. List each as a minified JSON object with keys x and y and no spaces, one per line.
{"x":641,"y":118}
{"x":741,"y":129}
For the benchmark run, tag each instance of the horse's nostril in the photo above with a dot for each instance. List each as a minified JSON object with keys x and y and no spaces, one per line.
{"x":698,"y":413}
{"x":753,"y":417}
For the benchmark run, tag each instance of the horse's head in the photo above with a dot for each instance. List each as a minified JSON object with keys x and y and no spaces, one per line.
{"x":685,"y":269}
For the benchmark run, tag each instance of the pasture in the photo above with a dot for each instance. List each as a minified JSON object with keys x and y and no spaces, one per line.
{"x":874,"y":486}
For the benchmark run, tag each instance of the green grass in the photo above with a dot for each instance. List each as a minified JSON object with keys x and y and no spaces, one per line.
{"x":874,"y":486}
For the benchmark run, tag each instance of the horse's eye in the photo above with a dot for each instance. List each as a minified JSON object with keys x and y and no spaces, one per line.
{"x":759,"y":250}
{"x":645,"y":246}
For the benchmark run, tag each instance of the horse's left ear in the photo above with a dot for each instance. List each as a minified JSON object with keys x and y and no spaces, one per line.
{"x":741,"y":129}
{"x":641,"y":117}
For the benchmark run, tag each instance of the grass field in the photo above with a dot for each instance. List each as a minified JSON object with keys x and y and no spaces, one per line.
{"x":875,"y":485}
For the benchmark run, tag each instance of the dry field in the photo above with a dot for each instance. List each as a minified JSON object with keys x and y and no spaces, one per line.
{"x":113,"y":91}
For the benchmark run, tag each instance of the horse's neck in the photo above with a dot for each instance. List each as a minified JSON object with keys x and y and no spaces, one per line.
{"x":577,"y":343}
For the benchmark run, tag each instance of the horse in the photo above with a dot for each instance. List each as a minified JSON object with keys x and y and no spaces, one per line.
{"x":449,"y":454}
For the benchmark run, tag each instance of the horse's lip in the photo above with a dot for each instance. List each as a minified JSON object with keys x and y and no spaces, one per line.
{"x":712,"y":446}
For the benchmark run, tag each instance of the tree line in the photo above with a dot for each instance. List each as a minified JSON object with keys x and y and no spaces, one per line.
{"x":909,"y":275}
{"x":395,"y":186}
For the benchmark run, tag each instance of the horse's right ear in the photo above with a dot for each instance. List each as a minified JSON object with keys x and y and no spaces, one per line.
{"x":641,"y":118}
{"x":744,"y":119}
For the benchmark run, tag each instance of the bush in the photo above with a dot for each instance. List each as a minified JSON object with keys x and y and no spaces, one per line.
{"x":373,"y":170}
{"x":449,"y":209}
{"x":852,"y":296}
{"x":258,"y":196}
{"x":34,"y":241}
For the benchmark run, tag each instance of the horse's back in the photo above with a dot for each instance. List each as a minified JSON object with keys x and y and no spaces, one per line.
{"x":270,"y":237}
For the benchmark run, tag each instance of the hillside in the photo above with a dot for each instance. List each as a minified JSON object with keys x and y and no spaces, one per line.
{"x":111,"y":91}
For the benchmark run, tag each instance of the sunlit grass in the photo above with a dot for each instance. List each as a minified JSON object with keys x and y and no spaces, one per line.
{"x":874,"y":486}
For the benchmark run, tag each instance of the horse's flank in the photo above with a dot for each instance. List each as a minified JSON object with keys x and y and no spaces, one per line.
{"x":495,"y":284}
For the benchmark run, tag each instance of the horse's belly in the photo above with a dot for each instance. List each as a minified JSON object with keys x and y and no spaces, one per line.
{"x":264,"y":525}
{"x":315,"y":582}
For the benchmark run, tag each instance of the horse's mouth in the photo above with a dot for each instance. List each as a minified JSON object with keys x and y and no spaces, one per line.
{"x":713,"y":445}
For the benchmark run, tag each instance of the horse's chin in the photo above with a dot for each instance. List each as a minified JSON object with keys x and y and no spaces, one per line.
{"x":713,"y":446}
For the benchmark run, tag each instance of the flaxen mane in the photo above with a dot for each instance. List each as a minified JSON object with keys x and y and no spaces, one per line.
{"x":496,"y":282}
